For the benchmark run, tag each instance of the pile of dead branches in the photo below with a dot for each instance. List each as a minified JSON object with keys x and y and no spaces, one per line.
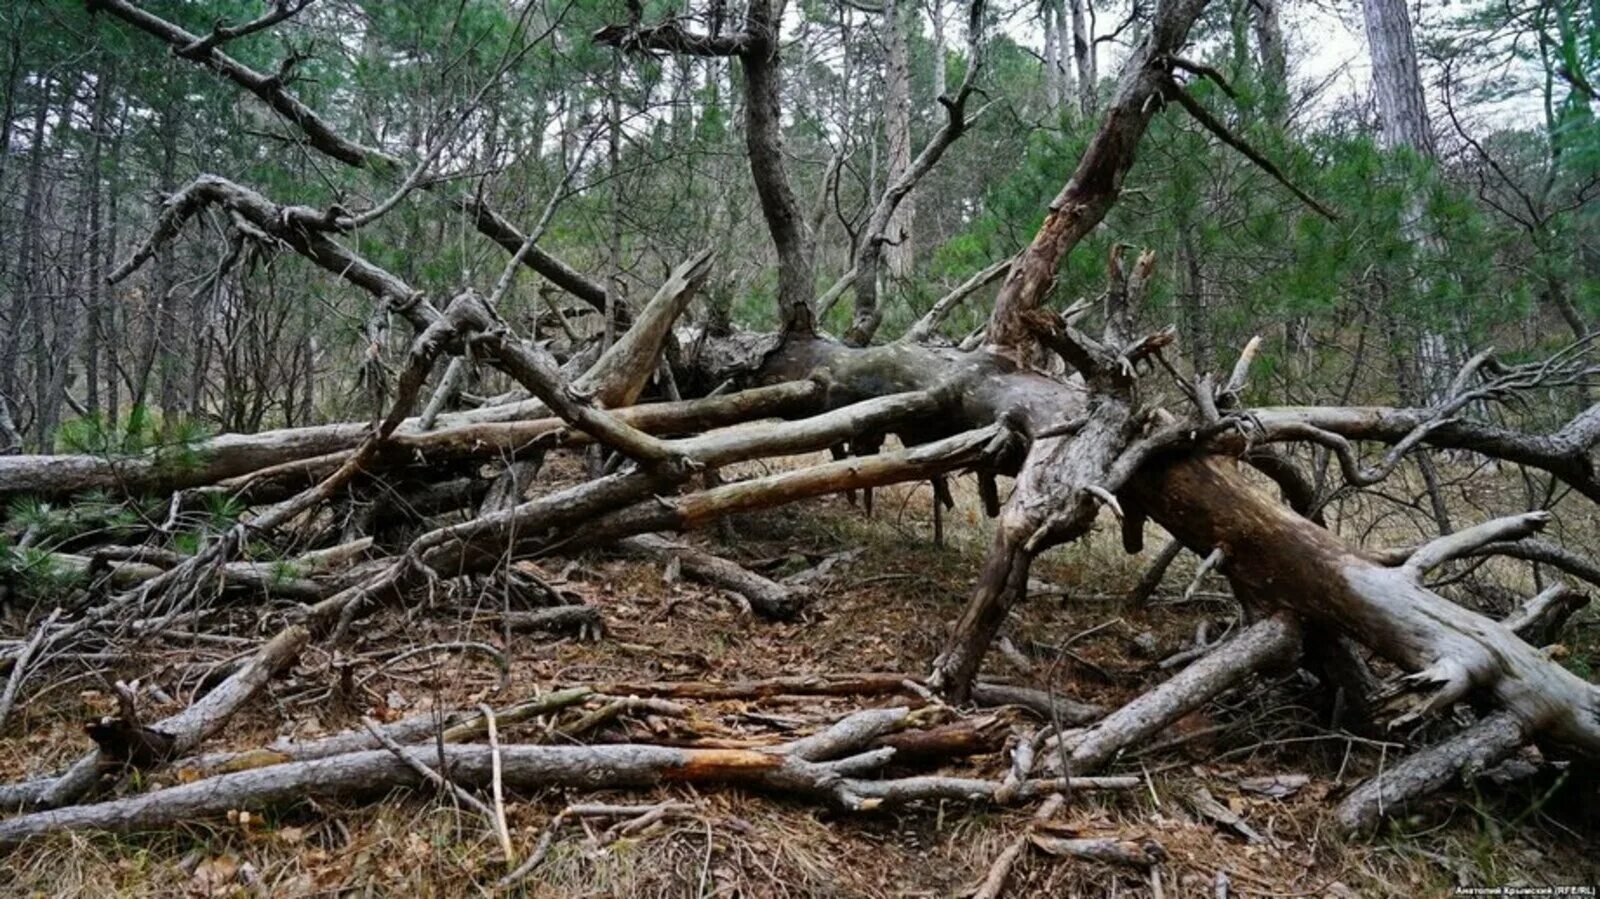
{"x":360,"y":515}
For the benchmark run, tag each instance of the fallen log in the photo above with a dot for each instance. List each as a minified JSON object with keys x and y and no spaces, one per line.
{"x":270,"y":464}
{"x":274,"y":579}
{"x":606,"y":766}
{"x":1109,"y":850}
{"x":1046,"y":705}
{"x":581,"y":618}
{"x":1271,"y":641}
{"x":452,"y":727}
{"x":1540,"y":619}
{"x":186,"y":730}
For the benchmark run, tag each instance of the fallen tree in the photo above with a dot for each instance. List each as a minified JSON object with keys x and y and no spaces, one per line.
{"x":1095,"y":439}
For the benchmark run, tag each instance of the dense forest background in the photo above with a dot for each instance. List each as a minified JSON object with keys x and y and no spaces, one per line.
{"x":1481,"y":233}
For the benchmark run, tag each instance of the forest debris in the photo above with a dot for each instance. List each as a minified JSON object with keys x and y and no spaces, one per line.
{"x":529,"y":768}
{"x":1219,"y":814}
{"x":1110,"y":850}
{"x":1277,"y":786}
{"x":956,"y":739}
{"x":455,"y":727}
{"x":188,"y":728}
{"x":766,"y":597}
{"x":995,"y":880}
{"x":1044,"y":703}
{"x":583,"y":619}
{"x":1461,"y":756}
{"x":867,"y":684}
{"x":823,"y":569}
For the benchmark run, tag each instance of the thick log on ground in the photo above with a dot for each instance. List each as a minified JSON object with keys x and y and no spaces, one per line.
{"x":1272,"y":641}
{"x":1460,"y":757}
{"x":1277,"y":559}
{"x":271,"y":464}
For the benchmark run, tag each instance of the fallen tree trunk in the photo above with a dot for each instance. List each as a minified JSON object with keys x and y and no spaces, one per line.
{"x":180,"y":734}
{"x":1460,"y":757}
{"x":1272,"y":641}
{"x":271,"y":464}
{"x":1276,"y":559}
{"x":613,"y":766}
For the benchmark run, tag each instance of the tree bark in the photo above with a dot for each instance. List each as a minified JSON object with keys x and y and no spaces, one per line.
{"x":1083,"y":54}
{"x":1096,"y":182}
{"x":763,"y":125}
{"x":898,"y":16}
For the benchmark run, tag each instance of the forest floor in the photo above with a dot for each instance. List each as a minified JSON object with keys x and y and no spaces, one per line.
{"x":884,"y":597}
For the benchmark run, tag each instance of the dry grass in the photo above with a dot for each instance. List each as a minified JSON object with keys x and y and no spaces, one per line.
{"x":886,"y":608}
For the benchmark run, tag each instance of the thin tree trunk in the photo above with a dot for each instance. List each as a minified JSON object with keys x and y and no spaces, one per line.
{"x":1083,"y":56}
{"x":614,"y":239}
{"x":171,"y":345}
{"x":55,"y":316}
{"x":1193,"y":299}
{"x":1053,"y":53}
{"x":899,"y":253}
{"x":24,"y":287}
{"x":95,"y":287}
{"x":1272,"y":58}
{"x":936,"y":16}
{"x":115,"y":316}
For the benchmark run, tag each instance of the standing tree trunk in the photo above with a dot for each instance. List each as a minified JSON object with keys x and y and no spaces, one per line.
{"x":614,"y":238}
{"x":936,"y":17}
{"x":1395,"y":79}
{"x":169,"y":350}
{"x":59,"y":330}
{"x":1272,"y":58}
{"x":1052,"y":56}
{"x":24,"y":288}
{"x":898,"y":16}
{"x":763,"y":126}
{"x":1403,"y":114}
{"x":1192,"y":298}
{"x":114,"y":312}
{"x":159,"y":323}
{"x":1083,"y":55}
{"x":95,"y":286}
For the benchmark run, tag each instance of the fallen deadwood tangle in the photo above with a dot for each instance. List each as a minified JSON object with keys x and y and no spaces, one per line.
{"x":374,"y":566}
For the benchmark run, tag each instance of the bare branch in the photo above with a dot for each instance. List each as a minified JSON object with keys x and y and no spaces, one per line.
{"x":281,"y":10}
{"x":1453,"y":546}
{"x":325,"y":139}
{"x":870,"y":244}
{"x":1175,"y":91}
